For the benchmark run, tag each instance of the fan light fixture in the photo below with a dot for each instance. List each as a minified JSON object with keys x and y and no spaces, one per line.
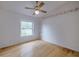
{"x":37,"y":8}
{"x":37,"y":12}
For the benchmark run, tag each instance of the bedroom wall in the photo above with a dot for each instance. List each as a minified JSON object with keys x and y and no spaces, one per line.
{"x":63,"y":30}
{"x":10,"y":28}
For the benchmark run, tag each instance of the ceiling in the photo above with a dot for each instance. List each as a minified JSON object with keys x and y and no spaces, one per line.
{"x":19,"y":7}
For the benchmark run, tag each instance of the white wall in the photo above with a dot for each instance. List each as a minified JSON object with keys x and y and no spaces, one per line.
{"x":62,"y":30}
{"x":10,"y":28}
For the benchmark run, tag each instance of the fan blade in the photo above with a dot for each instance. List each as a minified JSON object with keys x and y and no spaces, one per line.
{"x":43,"y":11}
{"x":28,"y":8}
{"x":41,"y":4}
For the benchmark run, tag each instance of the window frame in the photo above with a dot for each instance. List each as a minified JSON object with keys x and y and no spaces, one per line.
{"x":27,"y":28}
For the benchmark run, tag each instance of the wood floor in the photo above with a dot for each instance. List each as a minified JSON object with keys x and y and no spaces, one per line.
{"x":36,"y":48}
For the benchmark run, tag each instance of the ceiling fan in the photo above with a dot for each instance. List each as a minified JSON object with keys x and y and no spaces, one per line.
{"x":38,"y":7}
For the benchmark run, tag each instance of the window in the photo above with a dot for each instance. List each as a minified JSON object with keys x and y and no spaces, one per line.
{"x":26,"y":28}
